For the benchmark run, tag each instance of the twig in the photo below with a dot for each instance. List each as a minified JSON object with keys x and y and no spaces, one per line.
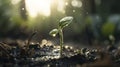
{"x":5,"y":50}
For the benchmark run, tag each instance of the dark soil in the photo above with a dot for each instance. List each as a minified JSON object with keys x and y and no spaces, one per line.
{"x":47,"y":55}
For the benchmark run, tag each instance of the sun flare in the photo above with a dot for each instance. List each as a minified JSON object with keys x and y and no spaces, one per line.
{"x":35,"y":7}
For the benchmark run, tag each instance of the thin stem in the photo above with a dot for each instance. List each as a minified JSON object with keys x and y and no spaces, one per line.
{"x":113,"y":42}
{"x":29,"y":39}
{"x":61,"y":41}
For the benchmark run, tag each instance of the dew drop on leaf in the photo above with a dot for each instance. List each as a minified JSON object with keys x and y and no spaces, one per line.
{"x":53,"y":35}
{"x":53,"y":32}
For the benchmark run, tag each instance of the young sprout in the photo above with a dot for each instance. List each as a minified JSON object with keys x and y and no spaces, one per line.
{"x":64,"y":22}
{"x":112,"y":39}
{"x":53,"y":32}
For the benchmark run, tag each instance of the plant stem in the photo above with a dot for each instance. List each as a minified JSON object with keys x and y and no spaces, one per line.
{"x":30,"y":37}
{"x":113,"y":42}
{"x":61,"y":41}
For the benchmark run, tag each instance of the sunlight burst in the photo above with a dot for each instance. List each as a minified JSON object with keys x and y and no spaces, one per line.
{"x":35,"y":7}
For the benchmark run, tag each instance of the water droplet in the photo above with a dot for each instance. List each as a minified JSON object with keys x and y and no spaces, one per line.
{"x":66,"y":3}
{"x":86,"y":12}
{"x":23,"y":8}
{"x":53,"y":32}
{"x":48,"y":65}
{"x":111,"y":37}
{"x":76,"y":3}
{"x":53,"y":35}
{"x":71,"y":47}
{"x":66,"y":46}
{"x":73,"y":11}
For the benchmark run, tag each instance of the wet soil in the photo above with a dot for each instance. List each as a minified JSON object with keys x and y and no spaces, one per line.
{"x":48,"y":55}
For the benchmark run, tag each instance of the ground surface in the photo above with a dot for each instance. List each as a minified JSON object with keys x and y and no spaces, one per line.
{"x":46,"y":54}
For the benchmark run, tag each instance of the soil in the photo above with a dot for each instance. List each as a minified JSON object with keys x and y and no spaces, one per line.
{"x":47,"y":55}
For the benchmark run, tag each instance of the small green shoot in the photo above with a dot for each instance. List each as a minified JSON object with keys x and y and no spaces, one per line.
{"x":112,"y":39}
{"x":64,"y":22}
{"x":54,"y":32}
{"x":30,"y":37}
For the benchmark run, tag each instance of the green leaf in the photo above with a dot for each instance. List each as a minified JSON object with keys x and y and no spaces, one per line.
{"x":65,"y":21}
{"x":53,"y":32}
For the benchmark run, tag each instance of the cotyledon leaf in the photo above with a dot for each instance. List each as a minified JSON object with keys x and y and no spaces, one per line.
{"x":65,"y":21}
{"x":53,"y":32}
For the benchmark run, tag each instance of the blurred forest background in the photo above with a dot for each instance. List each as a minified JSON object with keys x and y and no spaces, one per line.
{"x":94,"y":20}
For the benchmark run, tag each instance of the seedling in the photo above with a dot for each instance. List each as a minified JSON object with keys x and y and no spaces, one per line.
{"x":30,"y":38}
{"x":112,"y":39}
{"x":64,"y":22}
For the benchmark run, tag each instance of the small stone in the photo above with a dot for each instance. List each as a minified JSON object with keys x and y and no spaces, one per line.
{"x":83,"y":50}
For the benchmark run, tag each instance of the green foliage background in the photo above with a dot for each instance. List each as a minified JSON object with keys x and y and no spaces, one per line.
{"x":90,"y":20}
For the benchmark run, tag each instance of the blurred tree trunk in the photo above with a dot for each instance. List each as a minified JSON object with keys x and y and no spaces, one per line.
{"x":88,"y":7}
{"x":93,"y":7}
{"x":23,"y":10}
